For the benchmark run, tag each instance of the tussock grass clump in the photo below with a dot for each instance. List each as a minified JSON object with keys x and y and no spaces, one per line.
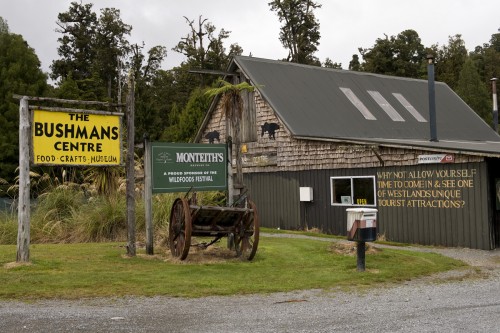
{"x":69,"y":213}
{"x":52,"y":219}
{"x":66,"y":215}
{"x":8,"y":228}
{"x":102,"y":219}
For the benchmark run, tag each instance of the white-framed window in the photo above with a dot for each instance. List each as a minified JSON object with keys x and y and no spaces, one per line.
{"x":353,"y":191}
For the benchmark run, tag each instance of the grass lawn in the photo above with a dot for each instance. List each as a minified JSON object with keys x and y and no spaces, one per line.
{"x":282,"y":264}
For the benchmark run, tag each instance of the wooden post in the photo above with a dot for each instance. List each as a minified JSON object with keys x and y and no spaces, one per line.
{"x":131,"y":250}
{"x":230,"y":184}
{"x":23,"y":231}
{"x":147,"y":197}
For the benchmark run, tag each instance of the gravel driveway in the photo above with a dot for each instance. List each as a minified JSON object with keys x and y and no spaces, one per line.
{"x":457,"y":301}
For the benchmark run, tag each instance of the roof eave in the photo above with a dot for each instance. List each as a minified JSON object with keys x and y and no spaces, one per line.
{"x":401,"y":145}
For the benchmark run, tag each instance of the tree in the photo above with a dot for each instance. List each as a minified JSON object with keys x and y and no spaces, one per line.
{"x":300,"y":30}
{"x":172,"y":131}
{"x":401,"y":55}
{"x":472,"y":90}
{"x":92,"y":50}
{"x":20,"y":73}
{"x":231,"y":101}
{"x":330,"y":64}
{"x":450,"y":59}
{"x":487,"y":59}
{"x":182,"y":103}
{"x":111,"y":48}
{"x":354,"y":64}
{"x":68,"y":89}
{"x":78,"y":27}
{"x":192,"y":115}
{"x":148,"y":115}
{"x":203,"y":49}
{"x":232,"y":110}
{"x":4,"y":27}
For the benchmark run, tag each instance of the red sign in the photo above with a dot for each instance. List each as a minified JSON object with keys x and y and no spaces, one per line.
{"x":436,"y":158}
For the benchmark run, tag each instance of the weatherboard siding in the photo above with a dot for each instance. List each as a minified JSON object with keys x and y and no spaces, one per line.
{"x":298,"y":154}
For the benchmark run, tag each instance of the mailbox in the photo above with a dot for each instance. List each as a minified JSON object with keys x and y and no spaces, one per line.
{"x":361,"y":224}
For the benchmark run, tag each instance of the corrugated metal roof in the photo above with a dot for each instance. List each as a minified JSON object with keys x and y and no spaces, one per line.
{"x":323,"y":103}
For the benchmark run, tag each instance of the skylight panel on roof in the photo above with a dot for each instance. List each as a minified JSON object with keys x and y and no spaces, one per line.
{"x":357,"y":103}
{"x":409,"y":107}
{"x":384,"y":104}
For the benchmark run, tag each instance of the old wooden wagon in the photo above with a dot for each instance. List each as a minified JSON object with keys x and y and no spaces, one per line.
{"x":239,"y":224}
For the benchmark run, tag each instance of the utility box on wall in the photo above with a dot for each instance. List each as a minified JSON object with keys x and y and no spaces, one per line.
{"x":306,"y":194}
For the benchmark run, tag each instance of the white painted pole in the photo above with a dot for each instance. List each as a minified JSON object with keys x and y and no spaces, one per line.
{"x":495,"y":103}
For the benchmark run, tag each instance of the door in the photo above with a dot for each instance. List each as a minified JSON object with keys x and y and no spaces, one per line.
{"x":496,"y":209}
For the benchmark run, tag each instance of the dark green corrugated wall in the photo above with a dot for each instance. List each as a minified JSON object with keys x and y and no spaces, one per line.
{"x":277,"y":198}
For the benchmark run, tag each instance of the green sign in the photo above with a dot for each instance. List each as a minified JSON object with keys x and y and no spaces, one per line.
{"x":178,"y":167}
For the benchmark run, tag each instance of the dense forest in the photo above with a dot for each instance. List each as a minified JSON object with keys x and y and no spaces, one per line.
{"x":96,"y":57}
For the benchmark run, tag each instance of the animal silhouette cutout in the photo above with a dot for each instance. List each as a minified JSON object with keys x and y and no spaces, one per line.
{"x":212,"y":136}
{"x":270,"y":128}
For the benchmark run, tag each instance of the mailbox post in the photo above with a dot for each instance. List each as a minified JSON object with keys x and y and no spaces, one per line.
{"x":361,"y":228}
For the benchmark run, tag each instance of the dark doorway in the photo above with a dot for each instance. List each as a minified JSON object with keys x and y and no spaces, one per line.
{"x":494,"y":173}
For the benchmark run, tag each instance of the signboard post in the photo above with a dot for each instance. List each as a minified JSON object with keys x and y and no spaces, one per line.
{"x":180,"y":167}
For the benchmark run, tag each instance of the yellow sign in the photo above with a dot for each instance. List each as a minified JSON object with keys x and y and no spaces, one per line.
{"x":70,"y":138}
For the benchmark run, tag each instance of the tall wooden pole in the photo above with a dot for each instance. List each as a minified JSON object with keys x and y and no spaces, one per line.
{"x":131,"y":250}
{"x":148,"y":212}
{"x":23,"y":231}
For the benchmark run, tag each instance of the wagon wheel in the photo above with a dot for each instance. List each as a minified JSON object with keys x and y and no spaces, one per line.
{"x":179,"y":229}
{"x":246,"y":237}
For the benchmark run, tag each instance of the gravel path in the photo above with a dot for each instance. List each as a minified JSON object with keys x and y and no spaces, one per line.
{"x":460,"y":301}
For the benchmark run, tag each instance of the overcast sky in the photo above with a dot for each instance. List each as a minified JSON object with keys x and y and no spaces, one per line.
{"x":344,"y":25}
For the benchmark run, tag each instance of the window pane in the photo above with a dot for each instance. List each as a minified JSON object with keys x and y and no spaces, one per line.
{"x":341,"y":191}
{"x":364,"y":191}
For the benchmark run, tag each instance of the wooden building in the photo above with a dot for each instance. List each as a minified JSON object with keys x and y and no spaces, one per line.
{"x":315,"y":141}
